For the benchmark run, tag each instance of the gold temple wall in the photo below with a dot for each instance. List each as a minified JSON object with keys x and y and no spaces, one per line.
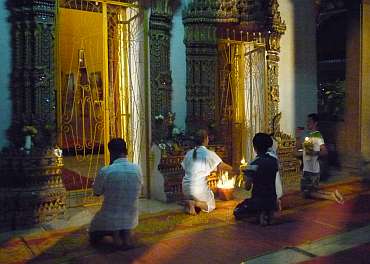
{"x":353,"y":144}
{"x":365,"y":81}
{"x":242,"y":96}
{"x":77,"y":30}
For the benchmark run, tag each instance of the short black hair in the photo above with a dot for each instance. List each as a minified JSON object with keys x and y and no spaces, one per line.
{"x":314,"y":117}
{"x":262,"y":142}
{"x":117,"y":146}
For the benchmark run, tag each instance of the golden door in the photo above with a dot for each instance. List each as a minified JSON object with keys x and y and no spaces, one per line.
{"x":242,"y":101}
{"x":101,"y":86}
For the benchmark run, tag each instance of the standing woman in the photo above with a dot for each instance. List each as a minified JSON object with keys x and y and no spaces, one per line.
{"x":198,"y":164}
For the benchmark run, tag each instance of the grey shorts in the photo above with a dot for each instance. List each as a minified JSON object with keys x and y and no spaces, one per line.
{"x":310,"y":181}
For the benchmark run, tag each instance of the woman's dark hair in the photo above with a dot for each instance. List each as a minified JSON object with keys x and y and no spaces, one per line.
{"x":117,"y":146}
{"x":261,"y":142}
{"x":199,"y":138}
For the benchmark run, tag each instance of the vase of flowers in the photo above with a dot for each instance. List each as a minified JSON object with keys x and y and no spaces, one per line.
{"x":29,"y":132}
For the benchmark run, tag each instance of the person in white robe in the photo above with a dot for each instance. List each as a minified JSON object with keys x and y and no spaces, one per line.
{"x":198,"y":163}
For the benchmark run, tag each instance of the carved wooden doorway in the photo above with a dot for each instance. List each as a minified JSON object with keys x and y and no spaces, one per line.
{"x":101,"y":87}
{"x":242,"y":100}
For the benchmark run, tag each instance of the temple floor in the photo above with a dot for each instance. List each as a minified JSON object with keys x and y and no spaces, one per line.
{"x":306,"y":230}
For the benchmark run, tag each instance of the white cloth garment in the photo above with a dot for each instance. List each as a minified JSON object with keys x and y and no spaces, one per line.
{"x":120,"y":183}
{"x":278,"y":184}
{"x":194,"y":183}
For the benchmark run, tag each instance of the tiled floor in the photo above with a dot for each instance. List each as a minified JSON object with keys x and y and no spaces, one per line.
{"x":298,"y":236}
{"x":218,"y":239}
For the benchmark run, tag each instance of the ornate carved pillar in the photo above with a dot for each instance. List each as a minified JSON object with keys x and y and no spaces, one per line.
{"x":201,"y":71}
{"x":33,"y":84}
{"x":275,"y":28}
{"x":202,"y":20}
{"x":160,"y":73}
{"x":31,"y":183}
{"x":249,"y":22}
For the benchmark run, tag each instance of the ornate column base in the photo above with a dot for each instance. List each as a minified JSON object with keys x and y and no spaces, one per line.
{"x":31,"y":190}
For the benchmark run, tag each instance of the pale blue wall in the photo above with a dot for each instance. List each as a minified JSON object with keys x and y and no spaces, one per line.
{"x":178,"y":67}
{"x":305,"y":60}
{"x":298,"y":66}
{"x":5,"y":62}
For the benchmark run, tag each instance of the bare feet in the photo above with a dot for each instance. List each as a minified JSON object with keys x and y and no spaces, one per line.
{"x":265,"y":218}
{"x":279,"y":206}
{"x":189,"y":207}
{"x":338,"y":197}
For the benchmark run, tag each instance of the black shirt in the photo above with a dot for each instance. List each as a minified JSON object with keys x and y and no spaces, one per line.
{"x":262,"y":172}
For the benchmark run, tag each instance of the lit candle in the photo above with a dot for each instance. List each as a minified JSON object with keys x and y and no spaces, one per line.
{"x":243,"y":164}
{"x":240,"y":178}
{"x":308,"y":144}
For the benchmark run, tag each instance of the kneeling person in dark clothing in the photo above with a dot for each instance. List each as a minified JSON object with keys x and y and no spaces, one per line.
{"x":260,"y":173}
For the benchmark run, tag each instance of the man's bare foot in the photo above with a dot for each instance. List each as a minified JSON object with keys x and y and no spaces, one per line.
{"x":266,"y":218}
{"x":279,"y":206}
{"x":338,"y":197}
{"x":263,"y":219}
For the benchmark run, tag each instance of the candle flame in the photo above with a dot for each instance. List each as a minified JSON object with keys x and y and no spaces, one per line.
{"x":224,"y":182}
{"x":242,"y":161}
